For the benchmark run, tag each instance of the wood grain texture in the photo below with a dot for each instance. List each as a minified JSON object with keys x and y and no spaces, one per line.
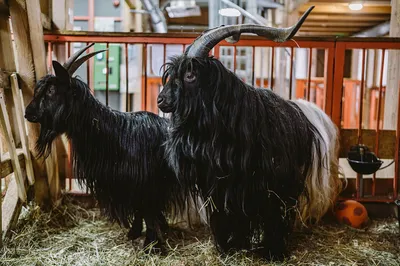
{"x":20,"y":110}
{"x":27,"y":80}
{"x":11,"y":207}
{"x":387,"y":141}
{"x":6,"y":127}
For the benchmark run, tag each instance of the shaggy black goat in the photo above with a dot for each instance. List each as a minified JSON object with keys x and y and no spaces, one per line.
{"x":256,"y":158}
{"x":118,"y":156}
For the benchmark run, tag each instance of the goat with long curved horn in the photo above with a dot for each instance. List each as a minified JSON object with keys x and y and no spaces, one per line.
{"x":73,"y":63}
{"x":204,"y":43}
{"x":263,"y":163}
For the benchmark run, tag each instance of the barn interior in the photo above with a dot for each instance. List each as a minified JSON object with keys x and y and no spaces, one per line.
{"x":345,"y":58}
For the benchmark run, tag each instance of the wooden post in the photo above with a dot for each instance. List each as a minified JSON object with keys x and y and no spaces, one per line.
{"x":20,"y":110}
{"x":7,"y":67}
{"x":11,"y":207}
{"x":393,"y":72}
{"x":28,"y":38}
{"x":5,"y":125}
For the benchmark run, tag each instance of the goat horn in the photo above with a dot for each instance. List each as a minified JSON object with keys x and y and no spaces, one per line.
{"x":67,"y":65}
{"x":75,"y":65}
{"x":204,"y":43}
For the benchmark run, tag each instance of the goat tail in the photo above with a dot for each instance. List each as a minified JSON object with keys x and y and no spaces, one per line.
{"x":323,"y":183}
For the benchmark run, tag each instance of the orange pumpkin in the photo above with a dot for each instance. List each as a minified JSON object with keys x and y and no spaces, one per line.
{"x":352,"y":213}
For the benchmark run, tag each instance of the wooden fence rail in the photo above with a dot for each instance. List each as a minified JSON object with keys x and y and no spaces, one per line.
{"x":21,"y":51}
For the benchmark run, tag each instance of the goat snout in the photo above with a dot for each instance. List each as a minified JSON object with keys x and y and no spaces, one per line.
{"x":31,"y":115}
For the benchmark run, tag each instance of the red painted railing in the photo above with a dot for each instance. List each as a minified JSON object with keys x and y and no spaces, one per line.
{"x":341,"y":98}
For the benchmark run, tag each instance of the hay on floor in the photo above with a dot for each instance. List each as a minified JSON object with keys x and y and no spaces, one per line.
{"x":71,"y":235}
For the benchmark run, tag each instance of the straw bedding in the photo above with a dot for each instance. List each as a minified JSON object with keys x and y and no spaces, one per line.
{"x":72,"y":235}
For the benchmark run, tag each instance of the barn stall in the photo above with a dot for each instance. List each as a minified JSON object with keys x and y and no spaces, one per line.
{"x":47,"y":219}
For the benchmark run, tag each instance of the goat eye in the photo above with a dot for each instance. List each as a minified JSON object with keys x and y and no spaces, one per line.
{"x":189,"y":77}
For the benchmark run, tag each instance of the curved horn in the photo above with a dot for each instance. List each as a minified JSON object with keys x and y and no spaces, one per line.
{"x":72,"y":59}
{"x":75,"y":65}
{"x":204,"y":43}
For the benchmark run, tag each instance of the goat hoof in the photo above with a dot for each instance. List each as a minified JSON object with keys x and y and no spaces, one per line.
{"x":153,"y":247}
{"x":134,"y":234}
{"x":274,"y":254}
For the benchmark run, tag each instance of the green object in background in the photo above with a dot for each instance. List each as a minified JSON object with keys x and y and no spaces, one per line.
{"x":114,"y":61}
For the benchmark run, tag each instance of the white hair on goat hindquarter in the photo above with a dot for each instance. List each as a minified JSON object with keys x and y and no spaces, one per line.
{"x":323,"y":184}
{"x":193,"y":215}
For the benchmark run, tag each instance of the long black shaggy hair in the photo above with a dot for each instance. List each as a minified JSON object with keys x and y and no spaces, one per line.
{"x":118,"y":156}
{"x":247,"y":151}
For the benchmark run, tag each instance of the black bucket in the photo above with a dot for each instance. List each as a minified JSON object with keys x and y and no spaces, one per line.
{"x":362,"y":160}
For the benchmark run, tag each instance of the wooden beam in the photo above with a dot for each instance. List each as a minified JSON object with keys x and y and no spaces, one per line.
{"x":4,"y":79}
{"x":36,"y":39}
{"x":26,"y":68}
{"x":20,"y":110}
{"x":344,"y":9}
{"x":7,"y":65}
{"x":6,"y":126}
{"x":11,"y":207}
{"x":323,"y":33}
{"x":338,"y":23}
{"x":387,"y":138}
{"x":365,"y":2}
{"x":393,"y":82}
{"x":6,"y":165}
{"x":347,"y":17}
{"x":39,"y":59}
{"x":331,"y":29}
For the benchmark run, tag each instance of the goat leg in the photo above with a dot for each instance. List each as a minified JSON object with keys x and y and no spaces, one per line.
{"x":221,"y":230}
{"x":154,"y":240}
{"x":278,"y":224}
{"x":137,"y":227}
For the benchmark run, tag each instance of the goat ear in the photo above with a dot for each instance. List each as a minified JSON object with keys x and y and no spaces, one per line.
{"x":61,"y":72}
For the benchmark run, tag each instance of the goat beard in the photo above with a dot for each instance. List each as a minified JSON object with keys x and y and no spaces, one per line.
{"x":44,"y":142}
{"x":50,"y":128}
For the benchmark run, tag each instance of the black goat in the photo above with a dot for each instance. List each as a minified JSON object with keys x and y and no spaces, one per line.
{"x":119,"y":156}
{"x":258,"y":159}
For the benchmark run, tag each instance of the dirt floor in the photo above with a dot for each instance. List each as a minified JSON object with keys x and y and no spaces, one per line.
{"x":71,"y":235}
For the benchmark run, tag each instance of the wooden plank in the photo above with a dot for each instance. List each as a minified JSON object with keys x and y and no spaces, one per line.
{"x":5,"y":124}
{"x":38,"y":50}
{"x":339,"y":23}
{"x":347,"y":17}
{"x":6,"y":165}
{"x":11,"y":207}
{"x":39,"y":55}
{"x":393,"y":73}
{"x":7,"y":65}
{"x":25,"y":70}
{"x":39,"y":58}
{"x":4,"y":79}
{"x":331,"y":29}
{"x":365,"y":2}
{"x":344,"y":9}
{"x":323,"y":33}
{"x":387,"y":139}
{"x":22,"y":127}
